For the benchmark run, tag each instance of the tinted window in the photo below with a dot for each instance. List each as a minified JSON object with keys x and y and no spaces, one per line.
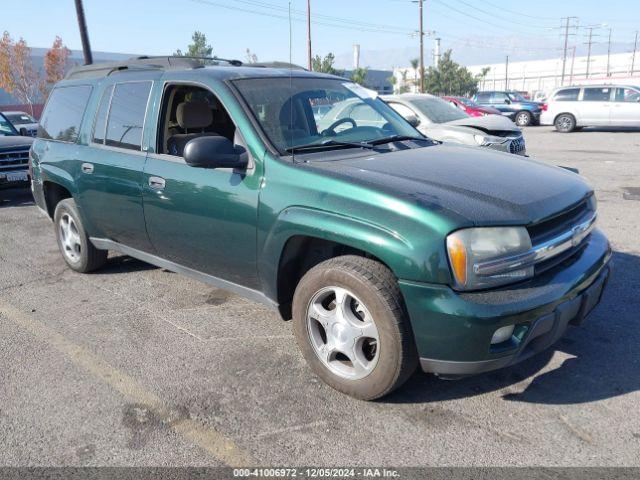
{"x":437,"y":110}
{"x":101,"y":116}
{"x":498,"y":97}
{"x":483,"y":97}
{"x":596,"y":94}
{"x":126,"y":116}
{"x":6,"y":128}
{"x":567,"y":95}
{"x":627,"y":95}
{"x":62,"y":118}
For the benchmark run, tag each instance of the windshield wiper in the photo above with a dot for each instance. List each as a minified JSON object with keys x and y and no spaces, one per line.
{"x":329,"y":143}
{"x":397,"y":138}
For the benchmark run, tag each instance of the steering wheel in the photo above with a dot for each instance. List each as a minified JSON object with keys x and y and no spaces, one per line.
{"x":331,"y":129}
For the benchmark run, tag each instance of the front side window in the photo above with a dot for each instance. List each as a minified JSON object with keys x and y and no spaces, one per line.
{"x":499,"y":97}
{"x":567,"y":95}
{"x":284,"y":108}
{"x":62,"y":117}
{"x":627,"y":95}
{"x":483,"y":97}
{"x":516,"y":97}
{"x":596,"y":94}
{"x":126,"y":115}
{"x":438,"y":110}
{"x":6,"y":129}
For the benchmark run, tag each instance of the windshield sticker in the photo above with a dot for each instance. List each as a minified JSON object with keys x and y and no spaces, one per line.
{"x":360,"y":91}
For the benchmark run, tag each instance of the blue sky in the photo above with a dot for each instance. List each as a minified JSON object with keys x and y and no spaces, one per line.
{"x":477,"y":31}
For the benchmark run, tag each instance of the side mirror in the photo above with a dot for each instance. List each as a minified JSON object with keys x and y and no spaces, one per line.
{"x":413,"y":120}
{"x":214,"y":152}
{"x":24,"y":132}
{"x":507,"y":101}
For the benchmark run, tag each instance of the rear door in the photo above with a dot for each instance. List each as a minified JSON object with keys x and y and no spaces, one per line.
{"x":110,"y":177}
{"x":501,"y":101}
{"x":625,"y":108}
{"x":595,"y":106}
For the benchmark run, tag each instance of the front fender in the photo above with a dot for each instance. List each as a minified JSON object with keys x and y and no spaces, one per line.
{"x":396,"y":251}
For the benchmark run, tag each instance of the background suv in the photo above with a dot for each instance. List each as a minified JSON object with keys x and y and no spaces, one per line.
{"x":24,"y":123}
{"x":511,"y":104}
{"x":571,"y":108}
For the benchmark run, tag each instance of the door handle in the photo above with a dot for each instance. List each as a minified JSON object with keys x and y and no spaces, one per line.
{"x":87,"y":168}
{"x":156,"y":183}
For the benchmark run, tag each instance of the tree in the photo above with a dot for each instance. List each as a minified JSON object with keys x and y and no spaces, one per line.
{"x":404,"y":88}
{"x":17,"y":75}
{"x":56,"y":61}
{"x":450,"y":78}
{"x":414,"y":64}
{"x":482,"y":76}
{"x":359,"y":75}
{"x":324,"y":65}
{"x":199,"y":47}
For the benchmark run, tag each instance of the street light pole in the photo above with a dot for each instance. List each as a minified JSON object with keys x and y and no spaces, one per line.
{"x":84,"y":35}
{"x":309,"y":63}
{"x":633,"y":57}
{"x":609,"y":54}
{"x":420,"y":2}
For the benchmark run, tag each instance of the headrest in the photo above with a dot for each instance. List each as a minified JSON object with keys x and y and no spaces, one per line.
{"x":194,"y":115}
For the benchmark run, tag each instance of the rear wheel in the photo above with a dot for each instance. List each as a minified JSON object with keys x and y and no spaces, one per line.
{"x":75,"y":246}
{"x":523,"y":119}
{"x":565,"y":123}
{"x":351,"y":327}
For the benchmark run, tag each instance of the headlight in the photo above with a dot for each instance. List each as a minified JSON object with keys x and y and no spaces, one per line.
{"x":469,"y":248}
{"x":489,"y":139}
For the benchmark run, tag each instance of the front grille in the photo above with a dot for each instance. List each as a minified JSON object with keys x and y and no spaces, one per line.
{"x":517,"y":145}
{"x":14,"y":160}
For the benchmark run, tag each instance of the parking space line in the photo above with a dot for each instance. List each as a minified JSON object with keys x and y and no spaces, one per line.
{"x":207,"y":438}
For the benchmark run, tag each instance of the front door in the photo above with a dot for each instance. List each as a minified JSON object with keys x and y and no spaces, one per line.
{"x":110,"y":176}
{"x":203,"y":219}
{"x":595,"y":106}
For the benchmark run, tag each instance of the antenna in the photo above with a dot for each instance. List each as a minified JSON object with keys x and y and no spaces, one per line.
{"x":293,"y":153}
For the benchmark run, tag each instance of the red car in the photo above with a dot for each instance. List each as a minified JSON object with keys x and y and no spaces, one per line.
{"x":472,"y":108}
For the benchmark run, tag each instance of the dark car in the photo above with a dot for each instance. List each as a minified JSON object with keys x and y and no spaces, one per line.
{"x":386,"y":249}
{"x":14,"y":156}
{"x":511,"y":104}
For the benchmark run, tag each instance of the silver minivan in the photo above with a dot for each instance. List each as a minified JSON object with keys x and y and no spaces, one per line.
{"x":571,"y":108}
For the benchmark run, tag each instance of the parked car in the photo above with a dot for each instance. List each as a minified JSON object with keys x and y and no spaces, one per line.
{"x":24,"y":123}
{"x":512,"y":105}
{"x":572,"y":108}
{"x":471,"y":108}
{"x":14,"y":156}
{"x":439,"y":120}
{"x":388,"y":250}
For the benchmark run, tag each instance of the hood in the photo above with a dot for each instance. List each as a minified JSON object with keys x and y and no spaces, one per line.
{"x":17,"y":141}
{"x":474,"y":186}
{"x":488,"y":124}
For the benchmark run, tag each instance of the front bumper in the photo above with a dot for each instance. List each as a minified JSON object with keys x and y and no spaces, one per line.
{"x":14,"y":179}
{"x":453,"y":330}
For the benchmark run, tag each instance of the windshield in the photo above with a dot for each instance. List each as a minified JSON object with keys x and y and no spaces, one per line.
{"x":308,"y":111}
{"x":438,"y":110}
{"x":19,"y":118}
{"x":516,"y":97}
{"x":6,"y":128}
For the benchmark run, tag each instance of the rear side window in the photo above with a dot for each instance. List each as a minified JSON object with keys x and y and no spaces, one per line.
{"x":100,"y":123}
{"x":126,"y":115}
{"x":483,"y":97}
{"x":567,"y":95}
{"x":596,"y":94}
{"x":62,"y":118}
{"x":627,"y":95}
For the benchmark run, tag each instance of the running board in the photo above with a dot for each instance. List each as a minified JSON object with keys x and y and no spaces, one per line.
{"x":255,"y":295}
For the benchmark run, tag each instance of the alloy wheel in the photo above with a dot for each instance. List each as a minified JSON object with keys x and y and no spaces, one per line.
{"x":70,"y":238}
{"x":343,"y":333}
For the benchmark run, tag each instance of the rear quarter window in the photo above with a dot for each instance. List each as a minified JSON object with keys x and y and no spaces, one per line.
{"x":567,"y":95}
{"x":62,"y":117}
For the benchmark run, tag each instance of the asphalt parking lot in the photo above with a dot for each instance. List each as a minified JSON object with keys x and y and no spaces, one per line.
{"x":137,"y":366}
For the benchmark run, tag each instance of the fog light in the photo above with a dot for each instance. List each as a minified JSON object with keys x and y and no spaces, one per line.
{"x":502,"y":334}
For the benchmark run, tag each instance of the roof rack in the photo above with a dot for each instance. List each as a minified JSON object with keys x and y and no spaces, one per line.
{"x":104,"y":69}
{"x":276,"y":64}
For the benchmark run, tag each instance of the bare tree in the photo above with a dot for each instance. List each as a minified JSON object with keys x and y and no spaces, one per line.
{"x":17,"y":75}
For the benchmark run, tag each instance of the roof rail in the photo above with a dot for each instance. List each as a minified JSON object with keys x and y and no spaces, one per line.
{"x":104,"y":69}
{"x":275,"y":64}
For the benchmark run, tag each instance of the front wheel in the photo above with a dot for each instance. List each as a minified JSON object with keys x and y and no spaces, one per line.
{"x":350,"y":324}
{"x":523,"y":119}
{"x":75,"y":246}
{"x":565,"y":123}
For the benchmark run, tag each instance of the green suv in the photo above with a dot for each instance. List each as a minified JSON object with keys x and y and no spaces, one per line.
{"x":387,"y":249}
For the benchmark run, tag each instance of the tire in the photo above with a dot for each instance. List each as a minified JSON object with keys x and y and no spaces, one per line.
{"x":385,"y":352}
{"x":565,"y":123}
{"x":523,"y":118}
{"x":73,"y":242}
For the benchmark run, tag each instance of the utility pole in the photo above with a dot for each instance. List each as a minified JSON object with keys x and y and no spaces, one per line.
{"x":420,"y":3}
{"x":84,"y":35}
{"x":589,"y":43}
{"x":609,"y":54}
{"x":309,"y":63}
{"x":506,"y":73}
{"x":633,"y":57}
{"x":566,"y":43}
{"x":573,"y":60}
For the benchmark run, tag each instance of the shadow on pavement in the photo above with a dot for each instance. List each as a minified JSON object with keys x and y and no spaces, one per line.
{"x":605,"y":347}
{"x":16,"y":197}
